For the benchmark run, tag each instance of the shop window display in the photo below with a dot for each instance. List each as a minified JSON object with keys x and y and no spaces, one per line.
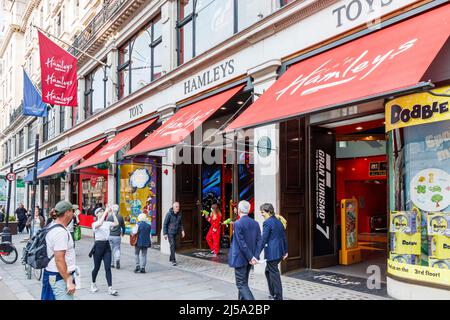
{"x":138,"y":191}
{"x":419,"y":173}
{"x":94,"y":191}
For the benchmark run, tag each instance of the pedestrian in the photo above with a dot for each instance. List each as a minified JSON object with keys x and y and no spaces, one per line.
{"x":244,"y":251}
{"x":275,"y":248}
{"x":213,"y":235}
{"x":21,"y":215}
{"x":172,"y":226}
{"x":102,"y":249}
{"x":58,"y":280}
{"x":51,"y":217}
{"x":2,"y":214}
{"x":115,"y":236}
{"x":74,"y":222}
{"x":38,"y":222}
{"x":143,"y":230}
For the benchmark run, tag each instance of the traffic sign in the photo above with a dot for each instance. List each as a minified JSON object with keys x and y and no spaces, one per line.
{"x":11,"y":176}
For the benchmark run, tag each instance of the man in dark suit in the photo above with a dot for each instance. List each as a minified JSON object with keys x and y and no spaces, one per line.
{"x":274,"y":244}
{"x":244,"y":251}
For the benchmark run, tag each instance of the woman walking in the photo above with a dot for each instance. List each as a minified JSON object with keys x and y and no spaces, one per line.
{"x":213,"y":236}
{"x":102,"y":249}
{"x":143,"y":229}
{"x":38,"y":222}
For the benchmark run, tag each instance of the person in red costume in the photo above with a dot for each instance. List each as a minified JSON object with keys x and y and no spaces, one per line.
{"x":213,"y":236}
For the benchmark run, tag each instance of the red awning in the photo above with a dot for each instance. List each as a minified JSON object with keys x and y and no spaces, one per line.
{"x":388,"y":60}
{"x":70,"y":158}
{"x":115,"y":145}
{"x":180,"y":125}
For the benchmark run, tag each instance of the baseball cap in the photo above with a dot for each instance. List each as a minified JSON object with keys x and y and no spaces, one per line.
{"x":63,"y":206}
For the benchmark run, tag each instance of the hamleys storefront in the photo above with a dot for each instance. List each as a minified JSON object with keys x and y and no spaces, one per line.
{"x":334,"y":97}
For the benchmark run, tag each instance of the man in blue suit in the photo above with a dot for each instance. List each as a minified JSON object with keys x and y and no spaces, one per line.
{"x":244,"y":251}
{"x":274,"y":244}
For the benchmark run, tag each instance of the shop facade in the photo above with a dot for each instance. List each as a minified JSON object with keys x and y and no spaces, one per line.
{"x":317,"y":116}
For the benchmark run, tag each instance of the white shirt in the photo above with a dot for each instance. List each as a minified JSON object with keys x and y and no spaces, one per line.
{"x":101,"y":233}
{"x":59,"y":239}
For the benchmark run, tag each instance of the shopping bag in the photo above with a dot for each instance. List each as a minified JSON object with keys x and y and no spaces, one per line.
{"x":77,"y":233}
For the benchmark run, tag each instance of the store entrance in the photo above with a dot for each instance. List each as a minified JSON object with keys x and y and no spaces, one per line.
{"x":360,"y":196}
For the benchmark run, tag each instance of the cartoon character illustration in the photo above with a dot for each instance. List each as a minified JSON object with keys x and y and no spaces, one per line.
{"x":431,"y":176}
{"x":421,"y":179}
{"x":435,"y":189}
{"x":437,"y":198}
{"x":421,"y":189}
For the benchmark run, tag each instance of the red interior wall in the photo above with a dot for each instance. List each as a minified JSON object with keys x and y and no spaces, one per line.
{"x":87,"y":220}
{"x":350,"y":177}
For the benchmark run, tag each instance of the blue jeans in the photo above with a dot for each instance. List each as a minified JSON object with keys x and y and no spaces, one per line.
{"x":114,"y":242}
{"x":54,"y":287}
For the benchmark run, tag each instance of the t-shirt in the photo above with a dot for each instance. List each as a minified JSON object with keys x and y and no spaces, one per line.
{"x":101,"y":233}
{"x":59,"y":239}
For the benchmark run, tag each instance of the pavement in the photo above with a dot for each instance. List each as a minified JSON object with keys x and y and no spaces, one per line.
{"x":191,"y":279}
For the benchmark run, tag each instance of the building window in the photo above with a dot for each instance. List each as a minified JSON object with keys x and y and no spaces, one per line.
{"x":41,"y":17}
{"x":140,"y":59}
{"x":32,"y":130}
{"x":62,"y":115}
{"x":285,"y":2}
{"x":202,"y":24}
{"x":95,"y":89}
{"x":21,"y":142}
{"x":58,"y":23}
{"x":49,"y":124}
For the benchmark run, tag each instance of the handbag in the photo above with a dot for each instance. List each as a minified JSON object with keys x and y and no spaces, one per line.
{"x":134,"y":239}
{"x":77,"y":233}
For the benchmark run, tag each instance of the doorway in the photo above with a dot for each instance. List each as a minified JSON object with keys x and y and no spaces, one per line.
{"x":360,"y":166}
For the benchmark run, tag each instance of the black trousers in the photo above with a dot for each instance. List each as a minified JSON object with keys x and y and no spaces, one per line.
{"x":242,"y":274}
{"x":102,"y":251}
{"x":173,"y":246}
{"x":22,"y":223}
{"x":274,"y":280}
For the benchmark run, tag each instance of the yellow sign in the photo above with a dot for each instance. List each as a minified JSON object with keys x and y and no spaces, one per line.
{"x":418,"y":108}
{"x":405,"y":243}
{"x":440,"y":247}
{"x":420,"y":273}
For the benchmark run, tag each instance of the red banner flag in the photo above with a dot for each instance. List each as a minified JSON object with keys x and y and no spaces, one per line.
{"x":58,"y":74}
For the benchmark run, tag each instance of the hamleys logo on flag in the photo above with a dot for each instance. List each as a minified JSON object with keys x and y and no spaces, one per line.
{"x":333,"y":74}
{"x":60,"y":100}
{"x":60,"y":66}
{"x":58,"y":82}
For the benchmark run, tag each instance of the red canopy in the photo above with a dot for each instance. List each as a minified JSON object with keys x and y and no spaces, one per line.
{"x":70,"y":158}
{"x":390,"y":59}
{"x":180,"y":125}
{"x":115,"y":145}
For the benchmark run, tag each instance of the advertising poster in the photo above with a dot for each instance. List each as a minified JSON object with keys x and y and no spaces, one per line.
{"x":322,"y":189}
{"x":3,"y":191}
{"x":20,"y":192}
{"x":137,"y":192}
{"x":350,"y":223}
{"x":420,"y":192}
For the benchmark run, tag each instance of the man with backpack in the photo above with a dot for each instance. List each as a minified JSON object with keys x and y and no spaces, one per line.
{"x":58,"y":280}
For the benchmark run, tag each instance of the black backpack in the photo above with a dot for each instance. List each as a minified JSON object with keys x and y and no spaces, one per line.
{"x":35,"y":252}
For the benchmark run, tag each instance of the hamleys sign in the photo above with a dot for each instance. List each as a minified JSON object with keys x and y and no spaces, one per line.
{"x":335,"y":73}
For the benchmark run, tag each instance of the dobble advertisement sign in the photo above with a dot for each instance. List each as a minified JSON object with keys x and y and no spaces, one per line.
{"x":418,"y":108}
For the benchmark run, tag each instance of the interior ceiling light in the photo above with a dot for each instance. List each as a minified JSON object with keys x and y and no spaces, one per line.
{"x":240,"y":102}
{"x":223,"y":108}
{"x":359,"y":128}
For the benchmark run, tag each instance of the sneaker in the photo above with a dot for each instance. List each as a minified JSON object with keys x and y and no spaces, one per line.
{"x":174,"y":263}
{"x":137,"y":269}
{"x":112,"y":291}
{"x":142,"y":270}
{"x":118,"y":264}
{"x":112,"y":266}
{"x":94,"y":288}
